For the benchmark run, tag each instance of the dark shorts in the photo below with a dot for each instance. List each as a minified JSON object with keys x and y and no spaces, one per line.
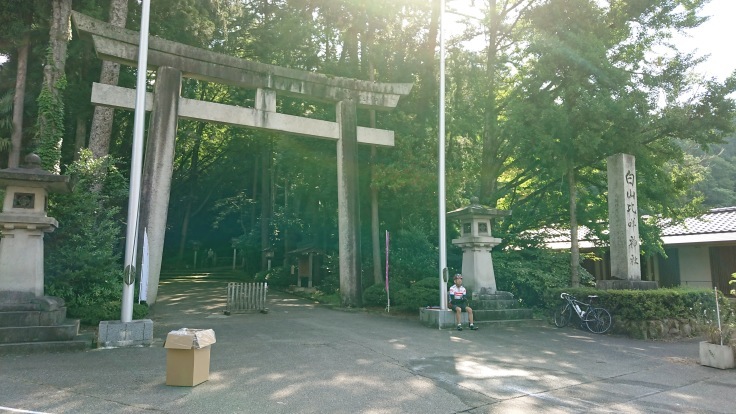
{"x":459,"y":304}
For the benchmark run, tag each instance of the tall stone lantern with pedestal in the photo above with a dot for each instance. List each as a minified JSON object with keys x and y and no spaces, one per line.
{"x":477,"y":242}
{"x":30,"y":320}
{"x":23,"y":223}
{"x":488,"y":304}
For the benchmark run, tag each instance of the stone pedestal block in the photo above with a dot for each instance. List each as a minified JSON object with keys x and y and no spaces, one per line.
{"x":21,"y":252}
{"x":626,"y":284}
{"x":112,"y":334}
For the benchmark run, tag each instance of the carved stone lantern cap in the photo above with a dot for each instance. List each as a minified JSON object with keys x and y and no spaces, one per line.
{"x":475,"y":209}
{"x":32,"y":161}
{"x":30,"y":174}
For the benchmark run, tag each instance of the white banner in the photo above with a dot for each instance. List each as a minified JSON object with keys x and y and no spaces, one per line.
{"x":143,"y":294}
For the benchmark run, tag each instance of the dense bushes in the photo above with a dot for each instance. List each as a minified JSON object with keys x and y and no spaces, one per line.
{"x":412,"y":256}
{"x":106,"y":311}
{"x":83,"y":258}
{"x":529,"y":273}
{"x":277,"y":277}
{"x":410,"y":298}
{"x":637,"y":305}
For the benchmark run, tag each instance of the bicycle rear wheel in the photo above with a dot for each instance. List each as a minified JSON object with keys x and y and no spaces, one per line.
{"x":563,"y":315}
{"x":598,"y":321}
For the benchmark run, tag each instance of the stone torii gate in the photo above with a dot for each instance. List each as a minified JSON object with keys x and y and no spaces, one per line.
{"x":175,"y":60}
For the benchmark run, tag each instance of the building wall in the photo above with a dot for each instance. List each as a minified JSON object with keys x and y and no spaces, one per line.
{"x":695,"y":266}
{"x":723,"y":265}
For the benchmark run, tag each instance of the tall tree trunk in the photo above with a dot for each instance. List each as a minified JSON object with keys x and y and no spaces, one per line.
{"x":184,"y":229}
{"x":430,"y":86}
{"x":254,"y":196}
{"x":490,"y":162}
{"x":287,"y":245}
{"x":51,"y":105}
{"x":574,"y":248}
{"x":192,"y":185}
{"x":265,"y":201}
{"x":18,"y":102}
{"x":80,"y":136}
{"x":101,"y":130}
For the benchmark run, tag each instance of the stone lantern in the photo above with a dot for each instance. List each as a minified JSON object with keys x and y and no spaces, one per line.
{"x":476,"y":241}
{"x":23,"y":223}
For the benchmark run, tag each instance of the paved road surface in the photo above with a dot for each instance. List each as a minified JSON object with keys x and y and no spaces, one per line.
{"x":305,"y":358}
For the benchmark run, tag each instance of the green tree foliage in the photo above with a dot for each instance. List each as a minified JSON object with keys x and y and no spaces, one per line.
{"x":588,"y":91}
{"x":51,"y":124}
{"x":561,"y":85}
{"x":531,"y":272}
{"x":83,"y":256}
{"x":719,"y":184}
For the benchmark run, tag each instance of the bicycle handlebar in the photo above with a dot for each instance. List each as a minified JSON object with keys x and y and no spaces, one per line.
{"x":564,"y":295}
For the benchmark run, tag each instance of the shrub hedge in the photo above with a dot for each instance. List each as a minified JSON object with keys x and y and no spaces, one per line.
{"x":640,"y":304}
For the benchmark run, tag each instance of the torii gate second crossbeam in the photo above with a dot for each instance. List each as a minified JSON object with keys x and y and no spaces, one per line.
{"x":174,"y":61}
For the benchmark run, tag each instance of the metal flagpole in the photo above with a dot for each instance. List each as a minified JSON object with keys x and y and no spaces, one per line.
{"x":131,"y":236}
{"x":442,"y":208}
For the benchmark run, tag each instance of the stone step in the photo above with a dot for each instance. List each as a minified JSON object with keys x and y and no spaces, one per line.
{"x":19,"y":334}
{"x":494,"y":304}
{"x":24,"y":348}
{"x":446,"y":319}
{"x":498,"y":295}
{"x":514,"y":322}
{"x":32,"y":318}
{"x":19,"y":307}
{"x":9,"y":296}
{"x":501,"y":314}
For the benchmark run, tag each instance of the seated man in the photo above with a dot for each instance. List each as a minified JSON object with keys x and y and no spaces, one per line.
{"x":459,"y":302}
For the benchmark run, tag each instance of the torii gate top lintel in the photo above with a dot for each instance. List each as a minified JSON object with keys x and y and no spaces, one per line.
{"x":121,"y":45}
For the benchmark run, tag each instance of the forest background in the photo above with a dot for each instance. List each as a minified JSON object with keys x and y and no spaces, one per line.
{"x":531,"y":117}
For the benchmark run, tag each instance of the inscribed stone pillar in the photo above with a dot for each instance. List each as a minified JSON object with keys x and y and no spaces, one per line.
{"x":347,"y":204}
{"x":158,"y":168}
{"x":623,"y":217}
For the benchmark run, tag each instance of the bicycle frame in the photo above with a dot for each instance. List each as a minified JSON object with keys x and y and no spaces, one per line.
{"x":576,"y":305}
{"x":596,"y":320}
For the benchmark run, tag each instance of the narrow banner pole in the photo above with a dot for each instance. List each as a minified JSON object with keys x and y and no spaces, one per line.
{"x":131,"y":235}
{"x":388,"y":295}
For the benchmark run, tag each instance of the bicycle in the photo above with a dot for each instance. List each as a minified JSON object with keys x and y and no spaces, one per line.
{"x":597,"y":320}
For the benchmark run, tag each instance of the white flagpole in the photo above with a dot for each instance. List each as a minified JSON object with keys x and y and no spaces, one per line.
{"x":126,"y":312}
{"x":441,"y":178}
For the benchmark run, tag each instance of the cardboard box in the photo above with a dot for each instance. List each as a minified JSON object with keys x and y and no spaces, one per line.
{"x":188,"y":356}
{"x":187,"y":367}
{"x":190,"y":338}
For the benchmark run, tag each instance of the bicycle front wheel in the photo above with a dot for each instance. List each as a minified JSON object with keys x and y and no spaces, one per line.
{"x":563,"y":315}
{"x":598,"y":321}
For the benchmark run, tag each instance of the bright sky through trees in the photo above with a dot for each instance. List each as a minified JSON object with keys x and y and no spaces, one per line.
{"x":713,"y":38}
